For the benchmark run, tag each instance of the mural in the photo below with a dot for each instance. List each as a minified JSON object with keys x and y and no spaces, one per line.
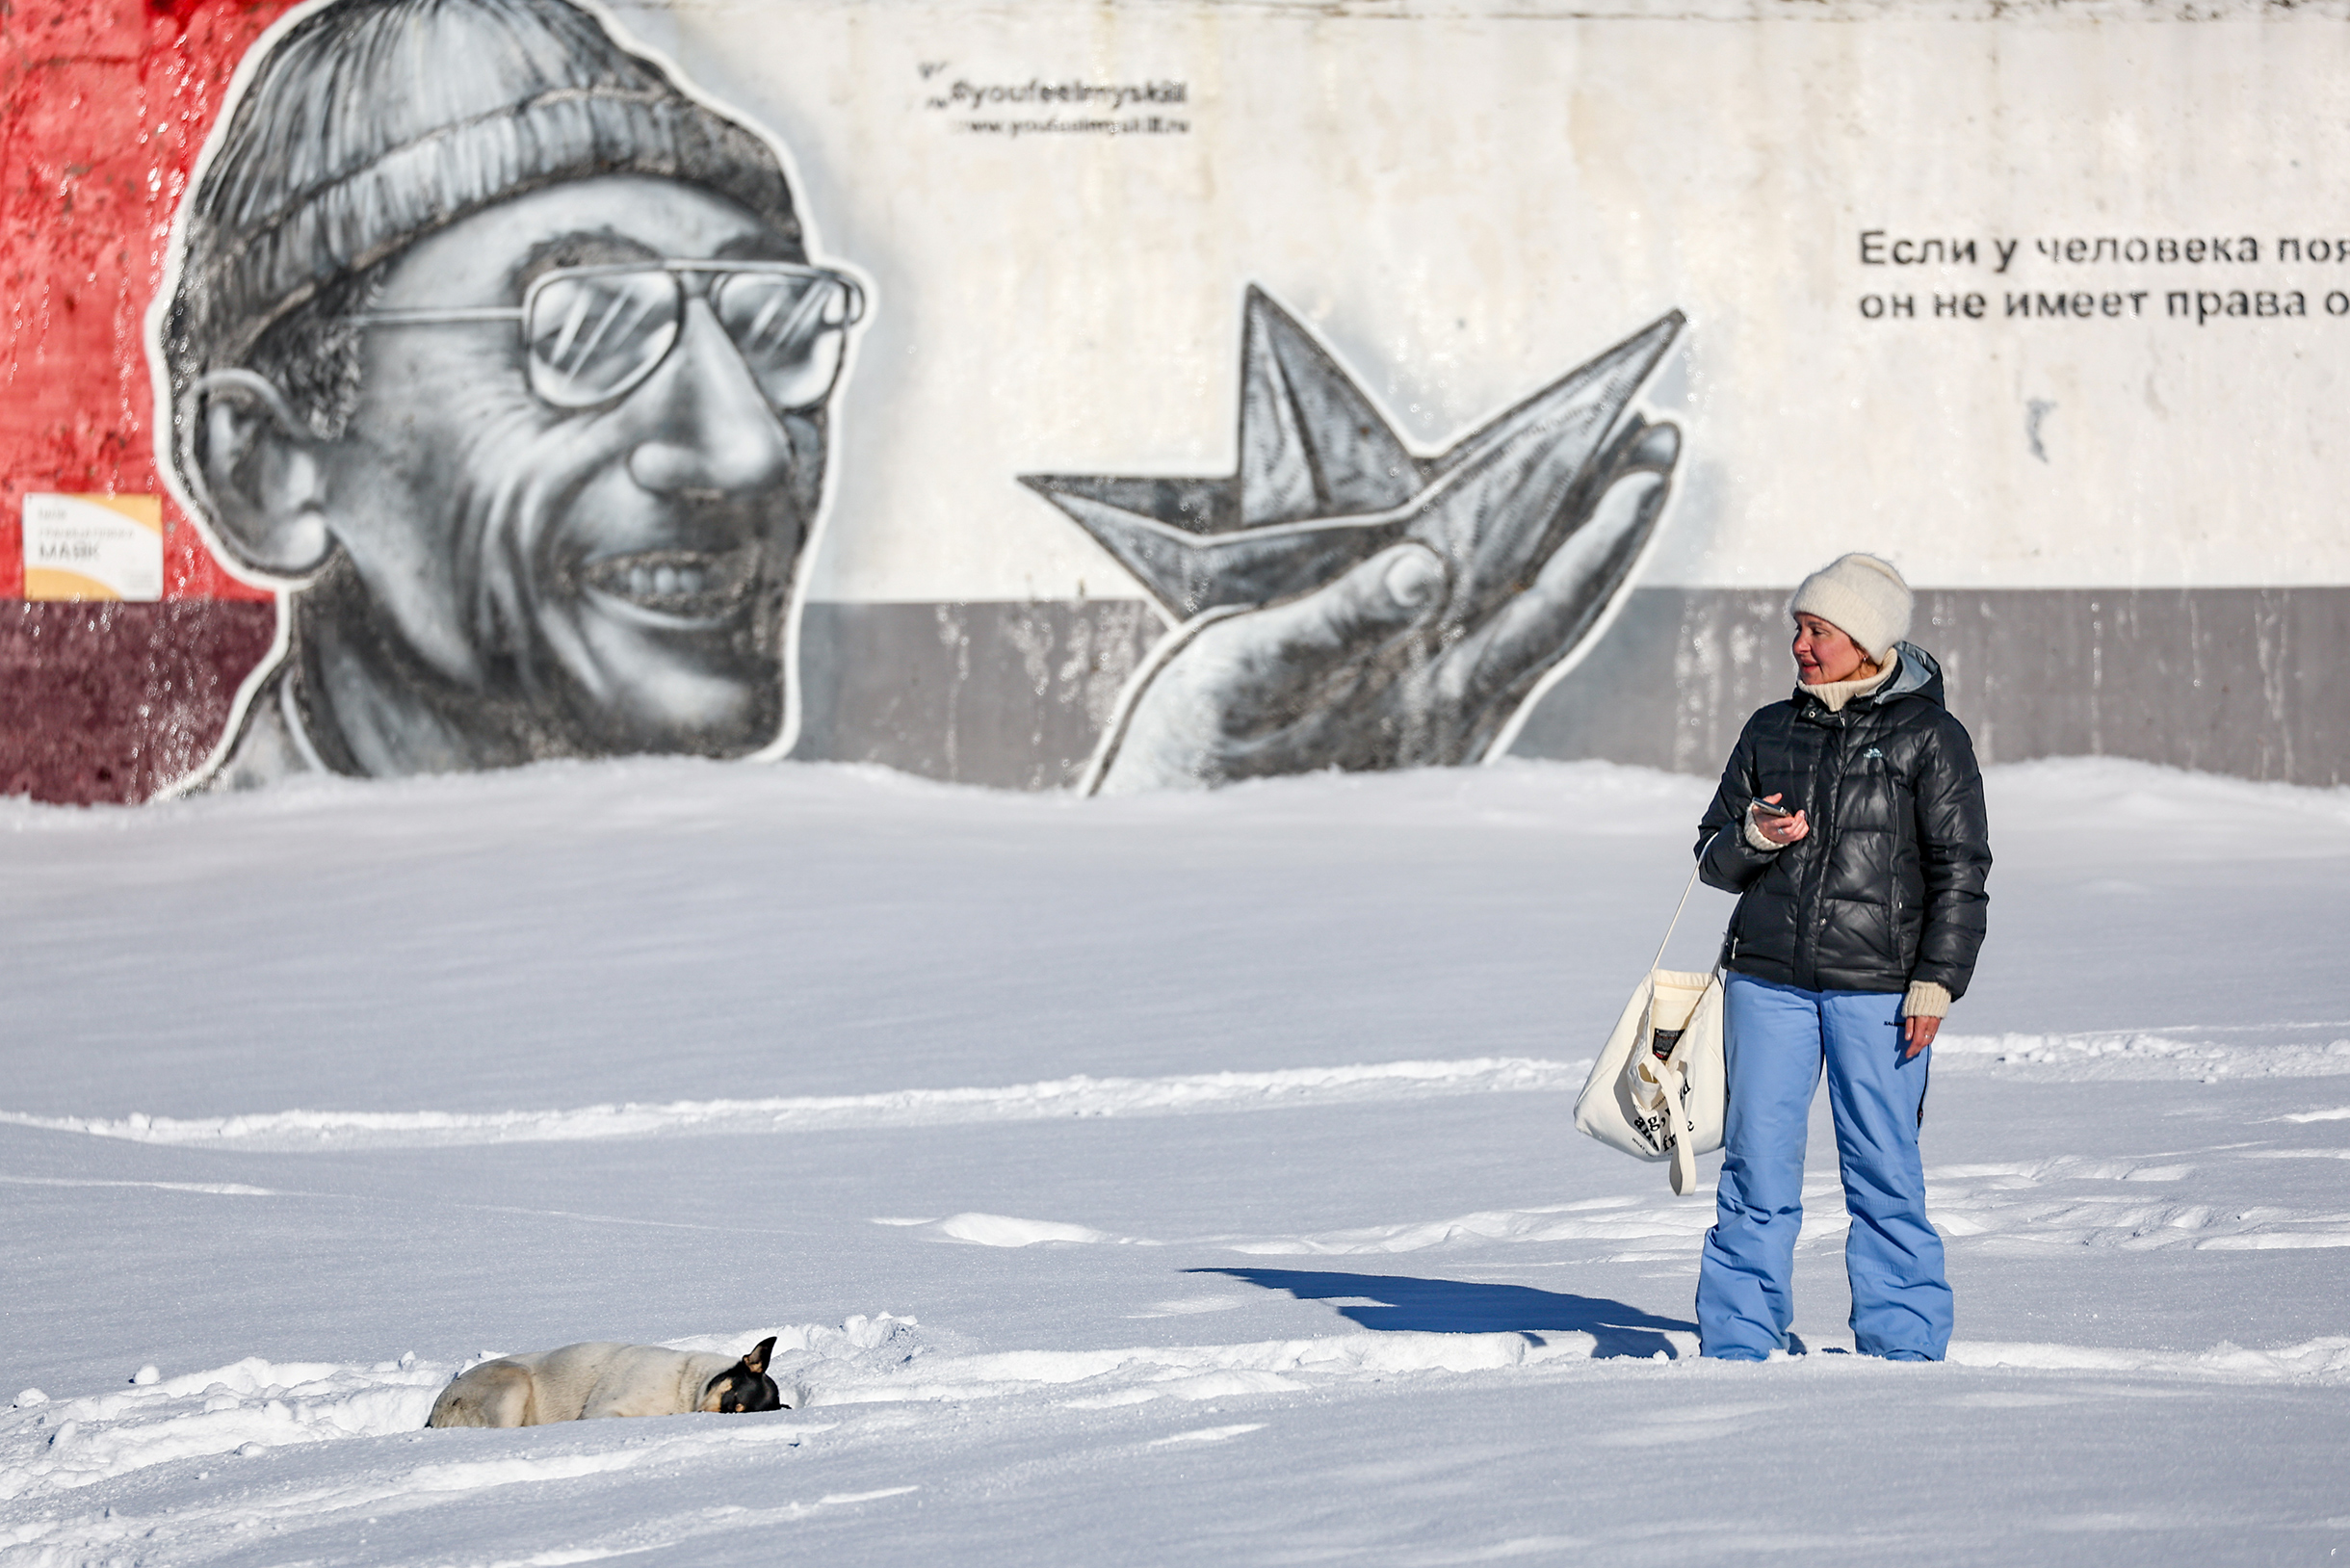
{"x":1174,"y":395}
{"x":510,"y":354}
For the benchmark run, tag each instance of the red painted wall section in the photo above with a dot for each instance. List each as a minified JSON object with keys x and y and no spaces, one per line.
{"x":104,"y":105}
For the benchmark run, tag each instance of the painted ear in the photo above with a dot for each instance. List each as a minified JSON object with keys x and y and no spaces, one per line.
{"x":259,"y":472}
{"x":755,"y":1358}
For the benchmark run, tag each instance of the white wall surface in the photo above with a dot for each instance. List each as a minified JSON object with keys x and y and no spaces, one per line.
{"x":1465,"y":205}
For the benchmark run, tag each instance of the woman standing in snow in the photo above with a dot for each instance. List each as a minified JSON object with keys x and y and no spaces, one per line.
{"x":1850,"y":820}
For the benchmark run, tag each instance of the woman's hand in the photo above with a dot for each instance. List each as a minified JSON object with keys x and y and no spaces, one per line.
{"x":1917,"y":1032}
{"x":1781,"y":830}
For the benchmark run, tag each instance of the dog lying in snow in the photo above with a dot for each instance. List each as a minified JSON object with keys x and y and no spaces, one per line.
{"x":583,"y":1382}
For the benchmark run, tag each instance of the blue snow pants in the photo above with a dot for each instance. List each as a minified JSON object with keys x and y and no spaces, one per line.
{"x":1775,"y":1038}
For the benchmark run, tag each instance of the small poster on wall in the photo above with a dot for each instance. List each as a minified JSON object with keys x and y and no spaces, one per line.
{"x":94,"y":547}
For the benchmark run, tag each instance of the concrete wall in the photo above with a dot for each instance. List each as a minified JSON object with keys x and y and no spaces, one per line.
{"x":1013,"y":696}
{"x":2226,"y":680}
{"x":111,"y":702}
{"x":2223,"y":680}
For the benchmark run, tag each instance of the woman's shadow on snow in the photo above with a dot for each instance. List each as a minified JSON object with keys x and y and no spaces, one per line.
{"x":1396,"y":1303}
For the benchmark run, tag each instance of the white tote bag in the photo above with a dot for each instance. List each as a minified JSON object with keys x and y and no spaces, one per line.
{"x":1658,"y":1089}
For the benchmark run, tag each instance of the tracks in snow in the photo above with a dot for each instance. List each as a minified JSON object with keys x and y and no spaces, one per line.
{"x":2208,"y":1054}
{"x":1054,"y":1099}
{"x":2061,"y":1201}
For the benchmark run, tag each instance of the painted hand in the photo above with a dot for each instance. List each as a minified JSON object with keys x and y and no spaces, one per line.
{"x":1419,"y":655}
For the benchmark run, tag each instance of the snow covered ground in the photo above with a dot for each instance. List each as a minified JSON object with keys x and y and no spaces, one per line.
{"x":1175,"y":1180}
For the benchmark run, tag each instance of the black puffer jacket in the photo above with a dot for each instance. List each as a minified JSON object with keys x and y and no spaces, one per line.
{"x":1888,"y":887}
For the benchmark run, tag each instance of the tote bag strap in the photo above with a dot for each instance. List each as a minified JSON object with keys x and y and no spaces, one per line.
{"x":1686,"y":889}
{"x":1684,"y":1174}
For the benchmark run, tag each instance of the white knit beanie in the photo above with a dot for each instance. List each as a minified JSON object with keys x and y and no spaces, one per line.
{"x":1861,"y":596}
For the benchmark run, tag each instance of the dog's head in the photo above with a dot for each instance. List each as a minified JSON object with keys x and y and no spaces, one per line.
{"x":745,"y":1385}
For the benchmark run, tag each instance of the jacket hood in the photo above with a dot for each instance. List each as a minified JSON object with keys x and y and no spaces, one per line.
{"x":1919,"y":676}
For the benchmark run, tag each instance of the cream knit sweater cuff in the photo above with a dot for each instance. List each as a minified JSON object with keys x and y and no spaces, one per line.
{"x":1754,"y":835}
{"x":1927,"y":1000}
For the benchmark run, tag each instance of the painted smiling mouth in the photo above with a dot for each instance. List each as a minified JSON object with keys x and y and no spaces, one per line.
{"x":693,"y":584}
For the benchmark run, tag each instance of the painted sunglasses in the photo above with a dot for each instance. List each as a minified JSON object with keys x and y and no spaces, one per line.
{"x":595,"y":332}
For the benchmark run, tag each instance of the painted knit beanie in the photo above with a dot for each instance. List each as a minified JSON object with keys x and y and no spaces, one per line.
{"x":375,"y":122}
{"x":1861,"y":596}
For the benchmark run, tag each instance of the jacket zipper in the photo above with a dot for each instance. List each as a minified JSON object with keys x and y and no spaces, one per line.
{"x":1835,"y":749}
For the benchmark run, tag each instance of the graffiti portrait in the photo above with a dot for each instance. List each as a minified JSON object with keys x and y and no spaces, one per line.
{"x":509,"y":358}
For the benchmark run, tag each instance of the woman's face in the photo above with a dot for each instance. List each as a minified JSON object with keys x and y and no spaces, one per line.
{"x":1825,"y":655}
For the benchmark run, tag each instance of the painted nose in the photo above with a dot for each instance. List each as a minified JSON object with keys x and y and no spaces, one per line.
{"x":714,"y":429}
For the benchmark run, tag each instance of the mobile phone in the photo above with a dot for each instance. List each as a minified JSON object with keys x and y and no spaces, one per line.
{"x":1770,"y":808}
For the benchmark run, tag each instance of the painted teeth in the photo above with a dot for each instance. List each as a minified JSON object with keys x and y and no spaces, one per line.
{"x":666,"y":582}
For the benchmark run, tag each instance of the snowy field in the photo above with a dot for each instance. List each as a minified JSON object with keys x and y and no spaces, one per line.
{"x":1154,"y":1181}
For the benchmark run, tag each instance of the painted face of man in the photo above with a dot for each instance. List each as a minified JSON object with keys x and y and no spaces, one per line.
{"x":592,"y":516}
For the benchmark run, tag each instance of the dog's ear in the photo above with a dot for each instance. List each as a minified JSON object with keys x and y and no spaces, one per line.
{"x":755,"y":1358}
